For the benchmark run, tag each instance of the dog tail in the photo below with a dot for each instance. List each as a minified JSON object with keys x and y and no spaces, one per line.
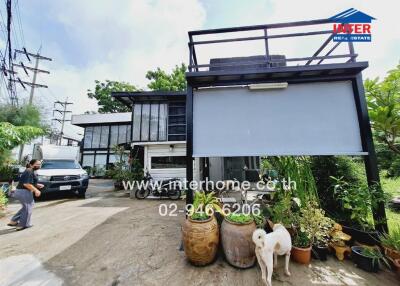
{"x":258,"y":237}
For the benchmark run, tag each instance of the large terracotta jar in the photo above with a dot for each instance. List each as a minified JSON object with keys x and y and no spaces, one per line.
{"x":237,"y":243}
{"x":200,"y":240}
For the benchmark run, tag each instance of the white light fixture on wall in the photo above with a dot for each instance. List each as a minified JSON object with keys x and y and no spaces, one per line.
{"x":264,"y":86}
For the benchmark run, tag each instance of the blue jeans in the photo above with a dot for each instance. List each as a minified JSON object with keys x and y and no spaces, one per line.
{"x":23,"y":216}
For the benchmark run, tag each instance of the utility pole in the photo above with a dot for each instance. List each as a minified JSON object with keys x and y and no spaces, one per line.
{"x":63,"y":111}
{"x":11,"y":85}
{"x":32,"y":84}
{"x":35,"y":70}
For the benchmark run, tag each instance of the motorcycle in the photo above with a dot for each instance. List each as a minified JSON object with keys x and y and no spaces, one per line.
{"x":170,"y":188}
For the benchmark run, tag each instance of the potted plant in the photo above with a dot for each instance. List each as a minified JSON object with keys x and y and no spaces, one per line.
{"x":367,"y":258}
{"x":312,"y":222}
{"x":301,"y":248}
{"x":200,"y":230}
{"x":391,"y":243}
{"x":236,"y":237}
{"x":317,"y":226}
{"x":355,"y":201}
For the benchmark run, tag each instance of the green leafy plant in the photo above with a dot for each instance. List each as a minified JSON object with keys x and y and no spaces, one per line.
{"x":259,"y":220}
{"x":199,"y":216}
{"x":315,"y":224}
{"x":282,"y":210}
{"x":301,"y":240}
{"x":102,"y":93}
{"x":12,"y":136}
{"x":355,"y":200}
{"x":297,"y":170}
{"x":376,"y":255}
{"x":240,"y":218}
{"x":384,"y":109}
{"x":3,"y":201}
{"x":323,"y":167}
{"x":124,"y":170}
{"x":392,"y":239}
{"x":8,"y":172}
{"x":204,"y":204}
{"x":161,"y":80}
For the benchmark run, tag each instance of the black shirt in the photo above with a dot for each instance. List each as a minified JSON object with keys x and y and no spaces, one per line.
{"x":27,"y":177}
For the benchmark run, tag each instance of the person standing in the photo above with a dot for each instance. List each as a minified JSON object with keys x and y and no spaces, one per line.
{"x":26,"y":188}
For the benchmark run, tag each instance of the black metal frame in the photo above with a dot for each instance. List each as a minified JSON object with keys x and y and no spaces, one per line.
{"x":95,"y":150}
{"x":195,"y":66}
{"x":350,"y":70}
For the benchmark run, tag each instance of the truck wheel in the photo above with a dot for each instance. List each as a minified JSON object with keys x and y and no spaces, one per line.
{"x":82,"y":193}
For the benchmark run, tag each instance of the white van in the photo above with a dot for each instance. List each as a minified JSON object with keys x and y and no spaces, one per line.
{"x":60,"y":170}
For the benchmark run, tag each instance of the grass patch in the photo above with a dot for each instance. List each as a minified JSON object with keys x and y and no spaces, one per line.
{"x":391,"y":186}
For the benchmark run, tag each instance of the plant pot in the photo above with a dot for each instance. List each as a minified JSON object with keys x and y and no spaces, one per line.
{"x":237,"y":243}
{"x":363,"y":237}
{"x":301,"y":255}
{"x":364,"y":262}
{"x":200,"y":240}
{"x":320,"y":252}
{"x":392,"y":253}
{"x":396,"y":266}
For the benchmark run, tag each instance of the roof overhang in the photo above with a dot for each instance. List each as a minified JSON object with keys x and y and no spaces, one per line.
{"x":130,"y":98}
{"x":290,"y":74}
{"x":83,"y":120}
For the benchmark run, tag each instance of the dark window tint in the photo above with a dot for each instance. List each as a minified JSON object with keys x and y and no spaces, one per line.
{"x":176,"y":121}
{"x":168,"y":162}
{"x":177,"y":130}
{"x":60,"y":164}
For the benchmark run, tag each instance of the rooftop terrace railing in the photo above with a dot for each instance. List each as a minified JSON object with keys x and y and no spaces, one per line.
{"x":319,"y":56}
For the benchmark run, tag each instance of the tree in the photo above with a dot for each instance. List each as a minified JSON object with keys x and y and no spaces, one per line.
{"x":160,"y":80}
{"x":20,"y":116}
{"x":11,"y":136}
{"x":384,"y":108}
{"x":19,"y":125}
{"x":102,"y":93}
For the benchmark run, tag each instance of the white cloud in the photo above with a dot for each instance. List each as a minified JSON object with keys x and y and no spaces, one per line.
{"x":121,"y":40}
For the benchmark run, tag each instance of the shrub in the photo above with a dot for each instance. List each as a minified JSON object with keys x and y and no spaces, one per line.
{"x":3,"y":201}
{"x":325,"y":167}
{"x":204,"y":205}
{"x":240,"y":218}
{"x":315,"y":224}
{"x":392,"y":240}
{"x":301,"y":240}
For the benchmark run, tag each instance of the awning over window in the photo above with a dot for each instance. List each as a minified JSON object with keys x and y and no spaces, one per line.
{"x":302,"y":119}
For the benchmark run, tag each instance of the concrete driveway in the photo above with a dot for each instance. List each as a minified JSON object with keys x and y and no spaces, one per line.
{"x":109,"y":239}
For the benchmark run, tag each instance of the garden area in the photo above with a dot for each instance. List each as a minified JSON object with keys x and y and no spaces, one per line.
{"x":324,"y":215}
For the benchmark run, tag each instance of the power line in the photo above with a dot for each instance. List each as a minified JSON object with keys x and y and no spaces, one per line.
{"x":16,"y":5}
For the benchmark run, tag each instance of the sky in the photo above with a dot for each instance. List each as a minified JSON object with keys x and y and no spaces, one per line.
{"x":121,"y":40}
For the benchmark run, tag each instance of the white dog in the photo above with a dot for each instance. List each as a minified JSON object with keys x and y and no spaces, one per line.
{"x":269,"y":246}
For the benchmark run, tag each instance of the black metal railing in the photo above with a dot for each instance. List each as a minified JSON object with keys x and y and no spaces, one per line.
{"x":267,"y":60}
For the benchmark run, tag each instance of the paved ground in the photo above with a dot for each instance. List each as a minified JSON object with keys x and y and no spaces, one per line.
{"x":109,"y":239}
